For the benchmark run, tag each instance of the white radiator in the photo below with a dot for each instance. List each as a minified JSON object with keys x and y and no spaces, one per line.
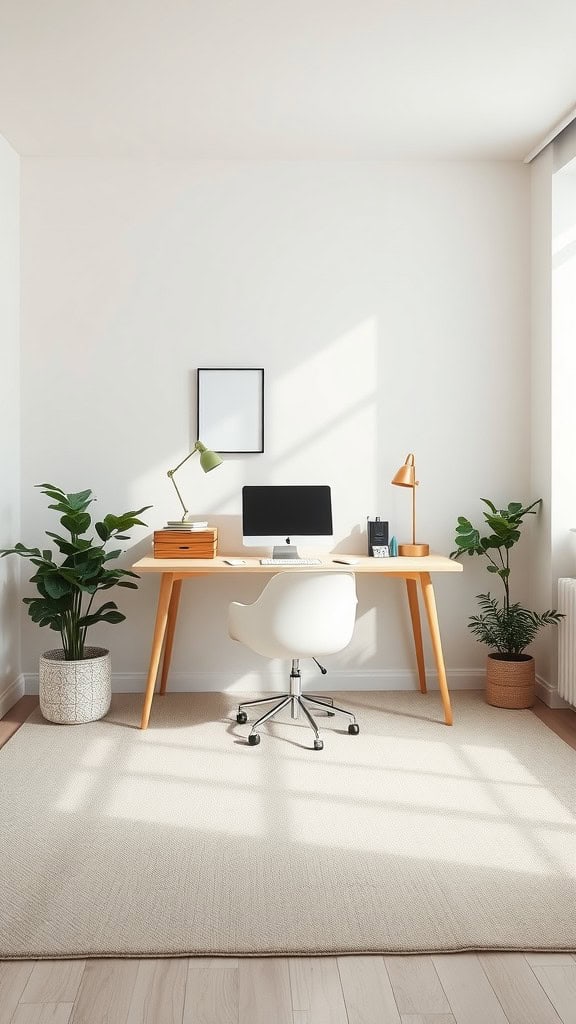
{"x":567,"y":640}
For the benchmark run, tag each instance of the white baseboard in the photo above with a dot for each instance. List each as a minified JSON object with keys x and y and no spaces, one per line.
{"x":548,"y":693}
{"x":224,"y":682}
{"x":11,"y":694}
{"x":250,"y":682}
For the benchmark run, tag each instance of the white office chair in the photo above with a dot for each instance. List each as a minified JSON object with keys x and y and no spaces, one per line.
{"x":298,"y":615}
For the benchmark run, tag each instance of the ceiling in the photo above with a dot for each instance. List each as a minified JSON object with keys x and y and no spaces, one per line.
{"x":285,"y":79}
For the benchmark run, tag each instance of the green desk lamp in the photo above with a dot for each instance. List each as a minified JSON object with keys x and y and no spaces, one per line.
{"x":406,"y":477}
{"x":208,"y":460}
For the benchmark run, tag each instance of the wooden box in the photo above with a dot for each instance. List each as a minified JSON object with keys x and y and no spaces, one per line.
{"x":185,"y":543}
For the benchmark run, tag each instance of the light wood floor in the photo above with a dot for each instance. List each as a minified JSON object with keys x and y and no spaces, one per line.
{"x":456,"y":988}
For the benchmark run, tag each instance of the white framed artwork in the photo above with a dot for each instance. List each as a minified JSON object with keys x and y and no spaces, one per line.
{"x":230,"y":411}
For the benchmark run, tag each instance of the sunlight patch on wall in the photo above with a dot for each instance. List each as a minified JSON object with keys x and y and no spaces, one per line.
{"x":317,"y":414}
{"x":315,"y":400}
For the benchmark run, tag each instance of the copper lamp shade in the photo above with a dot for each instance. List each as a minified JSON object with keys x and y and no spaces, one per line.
{"x":406,"y":477}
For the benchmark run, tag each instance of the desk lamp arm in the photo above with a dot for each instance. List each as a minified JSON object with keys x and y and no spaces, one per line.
{"x":184,"y":509}
{"x":208,"y":460}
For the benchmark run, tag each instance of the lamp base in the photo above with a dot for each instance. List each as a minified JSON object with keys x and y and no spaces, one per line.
{"x":414,"y":550}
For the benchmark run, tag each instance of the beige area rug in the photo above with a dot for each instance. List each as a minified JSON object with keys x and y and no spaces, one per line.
{"x":411,"y":837}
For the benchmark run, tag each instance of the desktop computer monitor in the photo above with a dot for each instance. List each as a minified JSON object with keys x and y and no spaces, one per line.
{"x":283,"y":516}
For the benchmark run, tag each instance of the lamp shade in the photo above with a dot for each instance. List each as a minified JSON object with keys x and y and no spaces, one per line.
{"x":406,"y":475}
{"x":208,"y":459}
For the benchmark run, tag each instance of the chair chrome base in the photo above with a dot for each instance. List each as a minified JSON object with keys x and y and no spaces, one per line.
{"x":296,"y":701}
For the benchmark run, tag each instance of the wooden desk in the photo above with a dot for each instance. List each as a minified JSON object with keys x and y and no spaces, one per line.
{"x":413,"y":570}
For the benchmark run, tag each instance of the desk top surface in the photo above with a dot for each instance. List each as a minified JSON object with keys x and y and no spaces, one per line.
{"x":387,"y":566}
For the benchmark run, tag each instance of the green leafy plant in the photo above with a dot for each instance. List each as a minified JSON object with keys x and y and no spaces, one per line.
{"x":508,"y":630}
{"x":505,"y":627}
{"x":67,"y":589}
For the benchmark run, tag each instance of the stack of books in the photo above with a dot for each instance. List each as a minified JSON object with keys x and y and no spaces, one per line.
{"x":186,"y":540}
{"x":176,"y":524}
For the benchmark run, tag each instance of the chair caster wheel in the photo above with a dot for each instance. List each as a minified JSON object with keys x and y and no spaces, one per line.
{"x":318,"y":744}
{"x":253,"y":739}
{"x":241,"y":718}
{"x":353,"y":728}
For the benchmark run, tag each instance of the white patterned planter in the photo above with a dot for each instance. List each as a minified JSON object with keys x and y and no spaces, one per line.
{"x":72,"y":692}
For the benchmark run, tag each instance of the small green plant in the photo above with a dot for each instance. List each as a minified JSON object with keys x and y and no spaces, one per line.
{"x":67,"y":590}
{"x":508,"y":630}
{"x":506,"y":627}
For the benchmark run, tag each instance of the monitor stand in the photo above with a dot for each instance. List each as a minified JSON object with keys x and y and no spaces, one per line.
{"x":285,"y":551}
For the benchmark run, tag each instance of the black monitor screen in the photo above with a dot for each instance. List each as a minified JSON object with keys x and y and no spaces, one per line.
{"x":286,"y":511}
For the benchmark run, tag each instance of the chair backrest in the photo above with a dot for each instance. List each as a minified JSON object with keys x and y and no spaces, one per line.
{"x":298,"y":615}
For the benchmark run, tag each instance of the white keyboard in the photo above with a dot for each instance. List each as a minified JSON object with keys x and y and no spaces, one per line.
{"x":290,"y":561}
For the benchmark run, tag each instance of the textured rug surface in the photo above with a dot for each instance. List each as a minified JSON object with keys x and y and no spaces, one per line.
{"x":411,"y":837}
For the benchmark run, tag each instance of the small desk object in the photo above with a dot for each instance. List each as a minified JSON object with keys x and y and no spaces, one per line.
{"x":414,"y":570}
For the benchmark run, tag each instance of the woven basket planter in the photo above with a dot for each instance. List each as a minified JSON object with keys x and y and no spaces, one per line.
{"x":73,"y":692}
{"x":510,"y":683}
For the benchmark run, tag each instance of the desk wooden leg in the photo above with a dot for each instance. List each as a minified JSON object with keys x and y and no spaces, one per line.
{"x":412,"y":588}
{"x":430,"y":605}
{"x":170,"y":628}
{"x":159,"y":631}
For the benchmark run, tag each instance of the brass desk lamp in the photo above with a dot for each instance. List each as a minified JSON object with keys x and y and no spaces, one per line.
{"x":406,"y":477}
{"x":208,"y":460}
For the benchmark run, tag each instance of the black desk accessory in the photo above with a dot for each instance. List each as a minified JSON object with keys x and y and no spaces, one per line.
{"x":377,"y":535}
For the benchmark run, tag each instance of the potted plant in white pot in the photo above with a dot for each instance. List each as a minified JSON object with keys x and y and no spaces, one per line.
{"x":75,"y":680}
{"x":505,"y":627}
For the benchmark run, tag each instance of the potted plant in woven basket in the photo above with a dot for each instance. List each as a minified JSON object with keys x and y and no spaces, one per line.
{"x":506,"y":627}
{"x":75,"y":680}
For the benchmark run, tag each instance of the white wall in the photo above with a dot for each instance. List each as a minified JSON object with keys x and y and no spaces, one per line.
{"x":11,"y":683}
{"x":553,"y":357}
{"x":563,"y":401}
{"x":389,"y":306}
{"x":563,"y":351}
{"x":541,"y":589}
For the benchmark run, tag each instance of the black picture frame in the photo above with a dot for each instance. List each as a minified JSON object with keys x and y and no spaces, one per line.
{"x":230,"y":409}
